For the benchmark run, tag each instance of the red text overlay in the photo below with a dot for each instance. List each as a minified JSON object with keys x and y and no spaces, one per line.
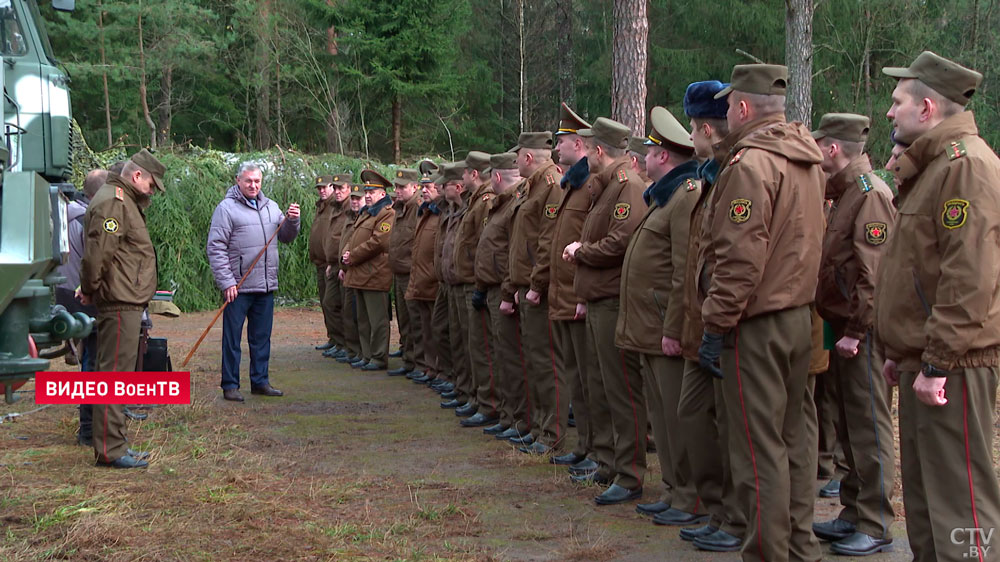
{"x":107,"y":387}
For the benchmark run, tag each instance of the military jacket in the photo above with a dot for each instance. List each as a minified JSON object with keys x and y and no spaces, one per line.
{"x":118,"y":269}
{"x":858,"y":225}
{"x":652,"y":283}
{"x":494,"y":244}
{"x":937,"y":296}
{"x":340,"y":215}
{"x":320,"y":230}
{"x":694,"y":328}
{"x":468,"y":232}
{"x":571,"y":211}
{"x":401,"y":241}
{"x":447,"y":235}
{"x":531,"y":230}
{"x":616,"y":212}
{"x":423,"y":277}
{"x":369,"y":245}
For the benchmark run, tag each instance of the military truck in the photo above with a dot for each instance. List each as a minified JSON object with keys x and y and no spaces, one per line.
{"x":35,"y":164}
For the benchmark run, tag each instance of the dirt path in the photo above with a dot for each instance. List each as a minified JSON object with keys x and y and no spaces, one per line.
{"x":346,"y":466}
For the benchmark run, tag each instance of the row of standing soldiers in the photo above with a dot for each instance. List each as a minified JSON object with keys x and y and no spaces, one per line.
{"x":683,"y":281}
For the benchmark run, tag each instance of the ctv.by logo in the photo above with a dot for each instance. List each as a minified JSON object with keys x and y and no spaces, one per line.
{"x":978,"y":541}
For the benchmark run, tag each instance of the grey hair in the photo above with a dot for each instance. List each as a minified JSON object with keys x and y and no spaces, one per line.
{"x":248,"y":166}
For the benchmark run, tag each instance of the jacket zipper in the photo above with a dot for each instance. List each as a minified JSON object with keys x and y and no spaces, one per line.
{"x":264,"y":232}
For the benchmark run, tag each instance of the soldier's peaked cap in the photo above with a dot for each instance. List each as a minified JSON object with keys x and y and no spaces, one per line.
{"x":323,"y":181}
{"x":356,"y":190}
{"x":611,"y":133}
{"x":700,"y":101}
{"x":569,"y":121}
{"x":374,"y":180}
{"x":849,"y":127}
{"x":503,"y":161}
{"x":769,"y":79}
{"x":667,"y":130}
{"x":476,"y":160}
{"x":404,"y":176}
{"x":945,"y":77}
{"x":540,"y":139}
{"x":452,"y":172}
{"x":145,"y":160}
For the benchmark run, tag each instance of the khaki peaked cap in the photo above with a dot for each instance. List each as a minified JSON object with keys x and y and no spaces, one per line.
{"x":638,"y":145}
{"x":768,"y":79}
{"x":611,"y":133}
{"x":569,"y":121}
{"x":406,"y":176}
{"x":945,"y":77}
{"x":374,"y":180}
{"x":504,"y":161}
{"x":476,"y":160}
{"x":451,"y":172}
{"x":538,"y":139}
{"x":667,"y":130}
{"x":849,"y":127}
{"x":145,"y":160}
{"x":356,"y":191}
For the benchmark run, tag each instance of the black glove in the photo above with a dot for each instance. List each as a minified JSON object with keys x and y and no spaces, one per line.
{"x":478,"y":300}
{"x":931,"y":371}
{"x":710,"y":352}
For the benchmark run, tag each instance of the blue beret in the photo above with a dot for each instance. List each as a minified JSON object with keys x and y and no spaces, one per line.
{"x":699,"y":100}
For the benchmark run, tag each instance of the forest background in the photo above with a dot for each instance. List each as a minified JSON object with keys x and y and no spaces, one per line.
{"x":335,"y":85}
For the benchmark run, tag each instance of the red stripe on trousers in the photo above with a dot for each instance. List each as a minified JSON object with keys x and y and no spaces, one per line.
{"x":555,"y":380}
{"x":968,"y":466}
{"x":753,"y":457}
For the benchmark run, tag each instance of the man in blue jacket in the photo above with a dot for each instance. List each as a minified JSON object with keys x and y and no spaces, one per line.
{"x":241,"y":226}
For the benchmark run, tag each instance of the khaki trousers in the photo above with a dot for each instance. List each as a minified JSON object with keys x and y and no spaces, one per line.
{"x":950,"y":490}
{"x":832,"y":464}
{"x":331,"y":304}
{"x":866,"y":438}
{"x":570,"y":339}
{"x":407,"y":340}
{"x":442,"y":334}
{"x":550,"y":401}
{"x":117,"y":350}
{"x":458,"y":328}
{"x":662,"y":379}
{"x":349,"y":312}
{"x":765,"y":361}
{"x":481,"y":356}
{"x":373,"y":325}
{"x":701,"y":420}
{"x":511,"y":369}
{"x":422,"y":329}
{"x":621,"y":389}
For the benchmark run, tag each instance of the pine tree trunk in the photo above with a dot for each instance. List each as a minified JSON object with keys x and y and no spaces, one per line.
{"x":166,"y":106}
{"x":798,"y":58}
{"x":142,"y":87}
{"x":521,"y":93}
{"x":564,"y":39}
{"x":104,"y":71}
{"x":265,"y":138}
{"x":397,"y":128}
{"x":628,"y":64}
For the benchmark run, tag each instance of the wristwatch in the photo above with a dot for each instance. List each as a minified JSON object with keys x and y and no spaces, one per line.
{"x":931,"y":371}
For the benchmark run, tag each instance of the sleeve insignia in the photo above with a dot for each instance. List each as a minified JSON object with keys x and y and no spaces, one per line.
{"x":954,"y":214}
{"x":487,"y":197}
{"x":621,"y":210}
{"x":119,"y":194}
{"x":955,"y":150}
{"x":622,"y":176}
{"x":111,"y":225}
{"x":864,"y":183}
{"x":550,"y":179}
{"x":551,"y":211}
{"x":739,"y":210}
{"x":385,"y":227}
{"x":739,"y":155}
{"x":690,"y":185}
{"x":875,"y":233}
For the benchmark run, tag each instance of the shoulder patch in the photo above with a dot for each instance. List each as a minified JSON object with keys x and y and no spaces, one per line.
{"x":119,"y":193}
{"x":956,"y":150}
{"x":622,"y":176}
{"x":487,"y":197}
{"x":864,"y":183}
{"x":690,"y":185}
{"x":551,"y":211}
{"x":954,"y":214}
{"x":111,"y":224}
{"x":736,"y":157}
{"x":385,"y":227}
{"x":739,"y":210}
{"x":550,"y":179}
{"x":875,"y":233}
{"x":621,"y":210}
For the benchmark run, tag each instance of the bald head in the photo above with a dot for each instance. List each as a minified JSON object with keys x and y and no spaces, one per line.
{"x":95,"y":179}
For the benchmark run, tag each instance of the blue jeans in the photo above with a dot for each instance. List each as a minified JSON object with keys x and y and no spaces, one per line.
{"x":88,"y":363}
{"x":258,"y":311}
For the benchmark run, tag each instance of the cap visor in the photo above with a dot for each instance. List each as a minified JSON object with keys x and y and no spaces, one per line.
{"x":723,"y":92}
{"x":898,"y":72}
{"x":585,"y":132}
{"x":159,"y":183}
{"x":818,"y":135}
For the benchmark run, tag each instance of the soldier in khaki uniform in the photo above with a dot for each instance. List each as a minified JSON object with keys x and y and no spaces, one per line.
{"x":325,"y":234}
{"x":492,"y":261}
{"x":348,"y":297}
{"x":937,"y":312}
{"x":479,"y":340}
{"x":760,"y":265}
{"x":569,"y":330}
{"x":858,"y":225}
{"x":118,"y":276}
{"x":637,"y":151}
{"x":651,"y":313}
{"x":405,"y":203}
{"x":701,"y":410}
{"x":423,"y":286}
{"x":368,"y":272}
{"x":457,"y":318}
{"x":317,"y":233}
{"x":528,"y":275}
{"x":618,"y":409}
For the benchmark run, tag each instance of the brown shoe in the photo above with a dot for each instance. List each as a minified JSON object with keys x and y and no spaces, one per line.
{"x":266,"y":390}
{"x":232,"y":394}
